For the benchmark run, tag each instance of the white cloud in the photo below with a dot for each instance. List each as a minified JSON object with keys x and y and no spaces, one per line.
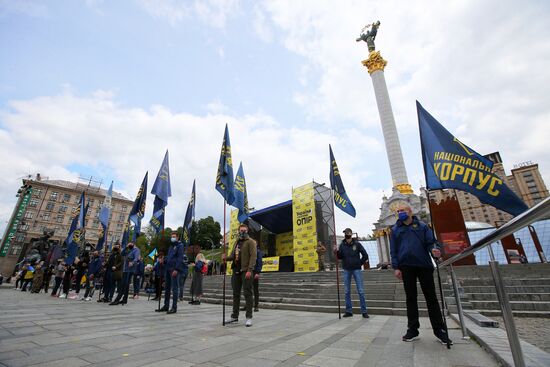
{"x":214,"y":13}
{"x":262,"y":28}
{"x":480,"y":68}
{"x":28,"y":7}
{"x":47,"y":134}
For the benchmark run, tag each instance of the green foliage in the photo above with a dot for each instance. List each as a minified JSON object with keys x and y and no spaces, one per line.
{"x":206,"y":233}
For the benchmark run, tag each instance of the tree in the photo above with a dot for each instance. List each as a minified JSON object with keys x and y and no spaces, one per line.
{"x":206,"y":233}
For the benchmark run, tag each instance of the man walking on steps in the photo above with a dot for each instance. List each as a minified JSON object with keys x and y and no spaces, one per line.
{"x":353,"y":257}
{"x":411,"y":244}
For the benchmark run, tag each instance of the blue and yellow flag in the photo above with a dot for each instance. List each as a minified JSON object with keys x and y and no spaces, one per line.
{"x":341,"y":199}
{"x":104,"y":215}
{"x":224,"y":177}
{"x":241,"y":198}
{"x":451,"y":164}
{"x":138,"y":209}
{"x":125,"y":235}
{"x":153,"y":253}
{"x":189,"y":216}
{"x":162,"y":191}
{"x":76,"y":231}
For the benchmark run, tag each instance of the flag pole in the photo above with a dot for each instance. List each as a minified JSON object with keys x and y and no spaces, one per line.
{"x":336,"y":248}
{"x":225,"y":264}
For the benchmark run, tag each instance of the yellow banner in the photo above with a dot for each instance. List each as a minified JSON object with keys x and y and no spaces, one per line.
{"x":270,"y":264}
{"x":233,"y":235}
{"x":284,"y":244}
{"x":305,"y":229}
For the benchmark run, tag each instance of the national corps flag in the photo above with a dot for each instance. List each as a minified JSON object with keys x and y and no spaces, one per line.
{"x":241,"y":198}
{"x":341,"y":199}
{"x":162,"y":191}
{"x":76,"y":230}
{"x":189,"y":216}
{"x":138,"y":209}
{"x":224,"y":176}
{"x":450,"y":164}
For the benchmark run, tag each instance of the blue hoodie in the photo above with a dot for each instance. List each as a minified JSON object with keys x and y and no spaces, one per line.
{"x":410,"y":245}
{"x":174,"y":259}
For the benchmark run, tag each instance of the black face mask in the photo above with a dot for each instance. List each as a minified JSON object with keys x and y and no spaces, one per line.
{"x":348,"y":236}
{"x":131,"y":247}
{"x":243,"y":235}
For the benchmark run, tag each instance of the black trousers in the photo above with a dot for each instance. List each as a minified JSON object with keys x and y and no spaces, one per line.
{"x":426,"y":279}
{"x":122,"y":291}
{"x":56,"y":284}
{"x":256,"y":284}
{"x":238,"y":282}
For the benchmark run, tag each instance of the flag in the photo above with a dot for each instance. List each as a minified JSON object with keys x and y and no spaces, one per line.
{"x":341,"y":199}
{"x":241,"y":198}
{"x":224,"y":177}
{"x":162,"y":191}
{"x":125,"y":235}
{"x":189,"y":216}
{"x":450,"y":164}
{"x":138,"y":209}
{"x":153,"y":253}
{"x":104,"y":214}
{"x":57,"y":253}
{"x":74,"y":237}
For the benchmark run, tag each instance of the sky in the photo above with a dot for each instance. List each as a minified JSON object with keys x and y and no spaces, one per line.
{"x":103,"y":88}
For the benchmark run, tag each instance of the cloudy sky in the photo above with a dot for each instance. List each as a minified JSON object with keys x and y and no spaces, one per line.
{"x":103,"y":88}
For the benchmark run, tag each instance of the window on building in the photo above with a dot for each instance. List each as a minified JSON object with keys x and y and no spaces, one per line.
{"x":33,"y":203}
{"x":119,"y":226}
{"x":46,"y":216}
{"x":50,"y":206}
{"x":63,"y":208}
{"x":95,"y":223}
{"x":66,"y":198}
{"x":527,"y":174}
{"x":24,"y":227}
{"x":37,"y":192}
{"x":121,"y":217}
{"x":59,"y":218}
{"x":15,"y":250}
{"x":29,"y":215}
{"x":53,"y":196}
{"x":124,"y":208}
{"x":20,"y":237}
{"x":91,"y":202}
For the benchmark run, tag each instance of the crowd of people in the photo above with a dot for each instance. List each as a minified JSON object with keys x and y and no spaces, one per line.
{"x":113,"y":276}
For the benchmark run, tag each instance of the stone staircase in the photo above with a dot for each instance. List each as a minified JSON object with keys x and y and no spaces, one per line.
{"x":317,"y":292}
{"x":527,"y":285}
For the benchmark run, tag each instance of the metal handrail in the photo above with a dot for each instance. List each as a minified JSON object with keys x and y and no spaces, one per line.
{"x":531,"y":215}
{"x":539,"y":211}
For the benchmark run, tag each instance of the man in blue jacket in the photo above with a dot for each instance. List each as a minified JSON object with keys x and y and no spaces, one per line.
{"x":353,"y":257}
{"x":131,"y":256}
{"x":411,"y":244}
{"x":174,"y":266}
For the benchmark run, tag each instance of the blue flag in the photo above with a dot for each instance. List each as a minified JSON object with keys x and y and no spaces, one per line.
{"x":450,"y":164}
{"x":104,"y":215}
{"x":189,"y":216}
{"x":224,"y":177}
{"x":125,"y":235}
{"x":241,"y":198}
{"x":138,"y":209}
{"x":76,"y":231}
{"x":162,"y":191}
{"x":341,"y":199}
{"x":153,"y":253}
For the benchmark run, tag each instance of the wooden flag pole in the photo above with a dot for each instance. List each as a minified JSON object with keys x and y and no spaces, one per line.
{"x":336,"y":257}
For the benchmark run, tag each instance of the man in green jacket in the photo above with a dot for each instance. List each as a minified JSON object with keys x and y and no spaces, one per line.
{"x":243,"y":257}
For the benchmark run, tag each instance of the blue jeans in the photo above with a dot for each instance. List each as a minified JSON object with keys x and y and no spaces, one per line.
{"x":181,"y":282}
{"x":347,"y":287}
{"x":172,"y":286}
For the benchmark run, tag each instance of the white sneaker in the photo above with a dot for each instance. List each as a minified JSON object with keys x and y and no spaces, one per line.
{"x":63,"y":295}
{"x":88,"y":299}
{"x":248,"y":322}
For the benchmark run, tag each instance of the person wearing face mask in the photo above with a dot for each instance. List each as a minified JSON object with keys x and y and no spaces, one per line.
{"x":131,"y":256}
{"x":174,"y":266}
{"x":94,"y":268}
{"x":411,"y":244}
{"x":113,"y":274}
{"x":243,"y":259}
{"x":353,"y":257}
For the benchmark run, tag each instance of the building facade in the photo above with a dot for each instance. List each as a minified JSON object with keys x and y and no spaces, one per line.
{"x":49,"y":205}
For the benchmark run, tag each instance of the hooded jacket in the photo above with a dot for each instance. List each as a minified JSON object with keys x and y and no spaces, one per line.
{"x":410,"y":245}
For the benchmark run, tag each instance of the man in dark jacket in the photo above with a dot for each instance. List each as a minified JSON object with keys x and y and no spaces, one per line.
{"x":112,"y":274}
{"x":131,"y":256}
{"x":256,"y":283}
{"x":183,"y":276}
{"x":411,"y":244}
{"x":96,"y":262}
{"x":243,"y":257}
{"x":353,"y":257}
{"x":174,"y":266}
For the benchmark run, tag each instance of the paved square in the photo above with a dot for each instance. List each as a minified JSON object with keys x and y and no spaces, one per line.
{"x":36,"y":329}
